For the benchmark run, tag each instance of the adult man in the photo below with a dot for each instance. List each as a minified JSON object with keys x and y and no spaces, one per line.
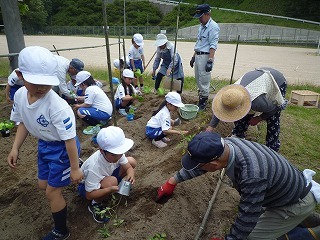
{"x":67,"y":67}
{"x":204,"y":52}
{"x":259,"y":91}
{"x":274,"y":195}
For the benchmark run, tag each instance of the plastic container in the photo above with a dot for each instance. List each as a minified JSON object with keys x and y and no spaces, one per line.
{"x":189,"y":111}
{"x":5,"y":133}
{"x":130,"y":117}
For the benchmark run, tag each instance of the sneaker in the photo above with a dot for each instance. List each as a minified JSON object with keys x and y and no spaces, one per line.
{"x":159,"y":144}
{"x":55,"y":235}
{"x":122,"y":112}
{"x":92,"y":130}
{"x":98,"y":213}
{"x":165,"y":139}
{"x":177,"y":122}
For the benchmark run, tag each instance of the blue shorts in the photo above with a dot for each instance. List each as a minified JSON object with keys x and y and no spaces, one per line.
{"x":153,"y":133}
{"x":82,"y":189}
{"x":13,"y":90}
{"x":117,"y":103}
{"x":137,"y":64}
{"x":94,"y":113}
{"x":53,"y":162}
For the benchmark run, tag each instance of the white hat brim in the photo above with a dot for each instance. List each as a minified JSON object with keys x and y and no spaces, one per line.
{"x":125,"y":147}
{"x":41,"y":79}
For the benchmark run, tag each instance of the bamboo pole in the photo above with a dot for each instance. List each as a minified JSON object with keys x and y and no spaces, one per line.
{"x":234,"y":60}
{"x":204,"y":220}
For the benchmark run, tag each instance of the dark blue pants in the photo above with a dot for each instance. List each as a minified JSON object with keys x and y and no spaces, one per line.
{"x":273,"y":125}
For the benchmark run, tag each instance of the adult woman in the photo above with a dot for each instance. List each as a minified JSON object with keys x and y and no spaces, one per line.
{"x":165,"y":51}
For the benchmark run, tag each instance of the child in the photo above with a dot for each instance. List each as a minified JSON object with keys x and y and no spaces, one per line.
{"x":14,"y":83}
{"x":49,"y":118}
{"x":96,"y":106}
{"x":159,"y":126}
{"x":105,"y":169}
{"x":124,"y":95}
{"x":136,"y":57}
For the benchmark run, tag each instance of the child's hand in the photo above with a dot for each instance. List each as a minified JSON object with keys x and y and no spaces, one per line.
{"x":13,"y":158}
{"x":130,"y":178}
{"x":76,"y":175}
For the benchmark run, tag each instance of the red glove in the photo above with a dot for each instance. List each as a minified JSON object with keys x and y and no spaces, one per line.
{"x":165,"y":191}
{"x":255,"y":120}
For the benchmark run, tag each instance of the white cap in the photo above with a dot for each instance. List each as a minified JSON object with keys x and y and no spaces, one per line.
{"x":161,"y":40}
{"x":174,"y":98}
{"x":138,"y":39}
{"x":116,"y":63}
{"x":38,"y":66}
{"x":128,"y":73}
{"x":81,"y":77}
{"x":112,"y":139}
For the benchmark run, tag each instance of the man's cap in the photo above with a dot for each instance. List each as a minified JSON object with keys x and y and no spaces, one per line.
{"x":174,"y":98}
{"x":231,"y":103}
{"x":138,"y":39}
{"x":38,"y":66}
{"x":205,"y":147}
{"x":81,"y":77}
{"x":127,"y":73}
{"x":202,"y":9}
{"x":77,"y":64}
{"x":161,"y":40}
{"x":113,"y":140}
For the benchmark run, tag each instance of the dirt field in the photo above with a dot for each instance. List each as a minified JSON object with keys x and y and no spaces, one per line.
{"x":299,"y":65}
{"x":25,"y":213}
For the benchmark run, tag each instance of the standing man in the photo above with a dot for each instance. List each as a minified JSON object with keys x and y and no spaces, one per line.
{"x":204,"y":51}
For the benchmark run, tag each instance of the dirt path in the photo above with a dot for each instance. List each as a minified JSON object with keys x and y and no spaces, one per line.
{"x":299,"y":65}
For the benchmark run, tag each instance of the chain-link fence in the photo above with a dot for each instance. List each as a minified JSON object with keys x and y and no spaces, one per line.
{"x":256,"y":33}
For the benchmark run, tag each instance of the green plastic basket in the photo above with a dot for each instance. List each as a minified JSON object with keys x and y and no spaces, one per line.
{"x":189,"y":111}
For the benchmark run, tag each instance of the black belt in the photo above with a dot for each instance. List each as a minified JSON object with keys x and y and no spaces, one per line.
{"x":306,"y":190}
{"x":202,"y":53}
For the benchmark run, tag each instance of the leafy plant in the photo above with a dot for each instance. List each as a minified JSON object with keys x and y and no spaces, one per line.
{"x":104,"y":232}
{"x":6,"y":125}
{"x":184,"y":142}
{"x":159,"y":236}
{"x":161,"y":91}
{"x":146,"y":89}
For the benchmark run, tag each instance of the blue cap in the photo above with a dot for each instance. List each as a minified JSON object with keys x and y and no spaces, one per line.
{"x":205,"y":147}
{"x":77,"y":64}
{"x":201,"y":9}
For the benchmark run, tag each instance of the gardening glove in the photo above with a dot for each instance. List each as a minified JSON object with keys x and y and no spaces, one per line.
{"x":166,"y":190}
{"x":209,"y":66}
{"x":255,"y":120}
{"x":192,"y":61}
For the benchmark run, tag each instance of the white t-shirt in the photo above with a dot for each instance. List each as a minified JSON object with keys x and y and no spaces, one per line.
{"x":97,"y":98}
{"x":120,"y":93}
{"x":161,"y":119}
{"x":50,"y":118}
{"x":63,"y":67}
{"x":96,"y":167}
{"x":134,"y":53}
{"x":13,"y":79}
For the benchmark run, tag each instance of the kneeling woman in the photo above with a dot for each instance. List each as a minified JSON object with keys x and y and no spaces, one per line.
{"x":96,"y":106}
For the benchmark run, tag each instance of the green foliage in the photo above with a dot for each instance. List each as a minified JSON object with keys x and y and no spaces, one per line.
{"x":104,"y":232}
{"x":159,"y":236}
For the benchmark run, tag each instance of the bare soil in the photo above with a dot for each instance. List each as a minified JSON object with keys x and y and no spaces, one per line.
{"x":25,"y":213}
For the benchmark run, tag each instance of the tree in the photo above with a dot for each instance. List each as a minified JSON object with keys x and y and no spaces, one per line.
{"x":13,"y":28}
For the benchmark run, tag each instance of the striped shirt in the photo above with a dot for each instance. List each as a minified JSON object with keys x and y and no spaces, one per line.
{"x":262,"y":177}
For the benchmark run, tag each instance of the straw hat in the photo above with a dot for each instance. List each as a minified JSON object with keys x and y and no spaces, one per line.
{"x":161,"y":40}
{"x":231,"y":103}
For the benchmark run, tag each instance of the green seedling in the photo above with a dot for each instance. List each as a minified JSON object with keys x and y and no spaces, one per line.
{"x":161,"y":91}
{"x":6,"y":125}
{"x":117,"y":221}
{"x":159,"y":236}
{"x":184,"y":142}
{"x":146,"y":90}
{"x":104,"y":232}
